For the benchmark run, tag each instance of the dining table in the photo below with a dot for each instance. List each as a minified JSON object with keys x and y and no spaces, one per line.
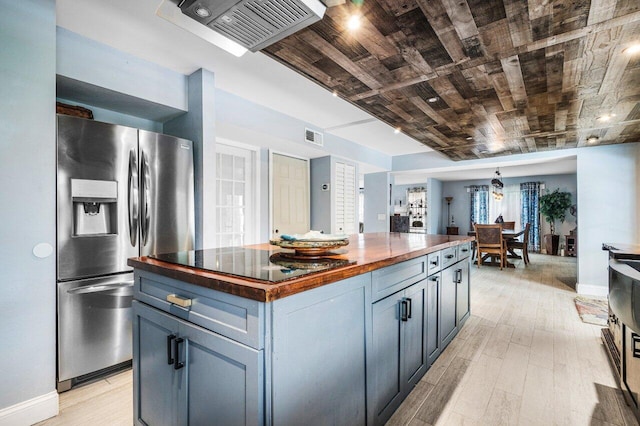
{"x":507,"y":234}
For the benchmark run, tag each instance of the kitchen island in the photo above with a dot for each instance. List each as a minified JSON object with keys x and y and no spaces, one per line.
{"x":243,"y":336}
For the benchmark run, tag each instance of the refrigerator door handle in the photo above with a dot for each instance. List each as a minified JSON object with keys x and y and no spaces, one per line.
{"x":146,"y":183}
{"x":133,"y":198}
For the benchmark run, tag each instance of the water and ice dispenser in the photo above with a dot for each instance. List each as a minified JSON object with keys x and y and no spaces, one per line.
{"x":95,"y":207}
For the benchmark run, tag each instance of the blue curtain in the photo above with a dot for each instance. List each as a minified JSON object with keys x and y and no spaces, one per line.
{"x":530,"y":196}
{"x":479,"y":206}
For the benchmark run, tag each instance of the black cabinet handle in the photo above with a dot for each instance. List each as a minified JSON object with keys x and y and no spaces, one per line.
{"x":464,"y":250}
{"x":409,"y":308}
{"x":449,"y":256}
{"x":403,"y":310}
{"x":458,"y":278}
{"x":635,"y":338}
{"x":169,"y":357}
{"x":435,"y":262}
{"x":434,"y":278}
{"x":177,"y":365}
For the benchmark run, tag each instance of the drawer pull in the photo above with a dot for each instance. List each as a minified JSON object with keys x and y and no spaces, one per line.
{"x":449,"y":256}
{"x":434,"y":262}
{"x":177,"y":300}
{"x":635,"y":339}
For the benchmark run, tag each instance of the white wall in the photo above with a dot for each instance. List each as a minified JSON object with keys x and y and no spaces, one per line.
{"x":27,"y":215}
{"x":607,"y":209}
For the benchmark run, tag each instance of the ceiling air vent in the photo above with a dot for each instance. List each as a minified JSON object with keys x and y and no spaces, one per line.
{"x":313,"y":137}
{"x":254,"y":24}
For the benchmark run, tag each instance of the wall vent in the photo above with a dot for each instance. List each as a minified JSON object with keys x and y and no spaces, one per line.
{"x":313,"y":137}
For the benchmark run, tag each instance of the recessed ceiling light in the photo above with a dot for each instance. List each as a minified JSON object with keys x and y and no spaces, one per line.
{"x":606,"y":117}
{"x":397,"y":130}
{"x":203,"y":12}
{"x":592,"y":139}
{"x":633,"y":49}
{"x":469,"y":138}
{"x":434,"y":99}
{"x":335,"y":94}
{"x":354,"y":22}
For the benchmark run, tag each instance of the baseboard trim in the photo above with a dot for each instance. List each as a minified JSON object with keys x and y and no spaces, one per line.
{"x":31,"y":411}
{"x":592,"y":290}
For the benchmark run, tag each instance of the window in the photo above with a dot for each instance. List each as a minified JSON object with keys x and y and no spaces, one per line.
{"x":479,"y":196}
{"x":509,"y":206}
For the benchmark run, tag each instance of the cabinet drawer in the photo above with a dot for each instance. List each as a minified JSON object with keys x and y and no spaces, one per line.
{"x":234,"y":317}
{"x":434,"y":262}
{"x":394,"y":278}
{"x":449,"y":256}
{"x":464,"y":251}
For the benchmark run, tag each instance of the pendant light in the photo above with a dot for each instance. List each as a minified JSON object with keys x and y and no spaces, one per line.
{"x":497,"y":185}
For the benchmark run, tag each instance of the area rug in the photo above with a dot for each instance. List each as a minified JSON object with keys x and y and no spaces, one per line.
{"x":592,"y":310}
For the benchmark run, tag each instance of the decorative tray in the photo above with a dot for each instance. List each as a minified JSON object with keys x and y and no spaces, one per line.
{"x":310,"y":248}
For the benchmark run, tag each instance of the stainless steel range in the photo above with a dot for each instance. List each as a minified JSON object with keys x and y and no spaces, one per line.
{"x":622,"y":338}
{"x":122,"y":192}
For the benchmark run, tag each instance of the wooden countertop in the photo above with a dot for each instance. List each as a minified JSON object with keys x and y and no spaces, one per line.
{"x":369,"y":251}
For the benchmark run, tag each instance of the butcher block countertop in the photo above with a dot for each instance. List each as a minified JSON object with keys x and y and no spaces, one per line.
{"x":368,"y":251}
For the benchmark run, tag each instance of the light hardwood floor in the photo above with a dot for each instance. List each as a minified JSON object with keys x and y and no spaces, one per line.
{"x":523,"y":358}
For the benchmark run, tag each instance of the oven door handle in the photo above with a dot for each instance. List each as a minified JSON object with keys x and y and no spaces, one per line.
{"x":100,"y":288}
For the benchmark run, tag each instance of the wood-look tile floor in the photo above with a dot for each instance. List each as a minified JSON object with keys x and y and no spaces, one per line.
{"x":523,"y":358}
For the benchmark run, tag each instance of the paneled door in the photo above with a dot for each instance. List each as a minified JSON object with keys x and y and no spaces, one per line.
{"x":291,"y":193}
{"x":236,"y":205}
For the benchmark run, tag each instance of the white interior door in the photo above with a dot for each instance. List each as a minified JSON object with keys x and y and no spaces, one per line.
{"x":236,"y":203}
{"x":290,"y":195}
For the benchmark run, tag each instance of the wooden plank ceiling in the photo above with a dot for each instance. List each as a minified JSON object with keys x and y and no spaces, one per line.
{"x":481,"y":78}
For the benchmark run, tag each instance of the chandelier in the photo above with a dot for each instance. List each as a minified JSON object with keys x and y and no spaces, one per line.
{"x":497,"y":186}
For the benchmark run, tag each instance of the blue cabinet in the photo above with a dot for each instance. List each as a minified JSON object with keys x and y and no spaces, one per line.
{"x":433,"y":317}
{"x":347,"y":353}
{"x":184,"y":374}
{"x":448,"y":291}
{"x":399,"y":352}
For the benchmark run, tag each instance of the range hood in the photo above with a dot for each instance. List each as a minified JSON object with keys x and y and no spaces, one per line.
{"x":253,"y":24}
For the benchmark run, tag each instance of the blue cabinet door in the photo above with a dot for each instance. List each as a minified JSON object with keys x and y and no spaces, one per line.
{"x":155,"y":382}
{"x":224,"y":383}
{"x":387,"y":356}
{"x":186,"y":375}
{"x":433,"y":317}
{"x":448,"y":289}
{"x":462,"y":292}
{"x":414,"y":345}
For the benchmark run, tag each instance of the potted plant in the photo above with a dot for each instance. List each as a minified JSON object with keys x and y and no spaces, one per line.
{"x":553,"y":206}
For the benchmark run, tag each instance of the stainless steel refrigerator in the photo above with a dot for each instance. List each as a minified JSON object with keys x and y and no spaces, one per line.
{"x":122,"y":192}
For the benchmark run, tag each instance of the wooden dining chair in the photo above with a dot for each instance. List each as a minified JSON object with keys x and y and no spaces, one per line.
{"x":522,"y":245}
{"x":489,"y":241}
{"x":509,"y":225}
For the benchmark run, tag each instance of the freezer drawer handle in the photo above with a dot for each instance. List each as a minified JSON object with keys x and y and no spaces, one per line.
{"x":177,"y":300}
{"x":99,"y":288}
